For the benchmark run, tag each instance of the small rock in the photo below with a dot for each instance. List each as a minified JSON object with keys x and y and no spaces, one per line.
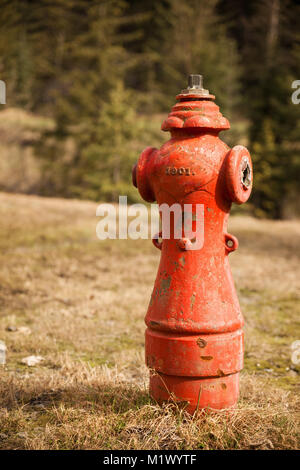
{"x":2,"y":353}
{"x":23,"y":435}
{"x":11,"y":328}
{"x":32,"y":360}
{"x":25,"y":330}
{"x":271,"y":446}
{"x":40,"y":406}
{"x":3,"y":436}
{"x":293,"y":373}
{"x":269,"y":370}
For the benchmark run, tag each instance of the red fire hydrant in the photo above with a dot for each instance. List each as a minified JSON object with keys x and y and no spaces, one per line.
{"x":194,"y":339}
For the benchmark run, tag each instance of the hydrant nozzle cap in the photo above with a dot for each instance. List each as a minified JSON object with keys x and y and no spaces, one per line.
{"x":195,"y":86}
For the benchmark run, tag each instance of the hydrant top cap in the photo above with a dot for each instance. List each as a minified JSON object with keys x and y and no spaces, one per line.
{"x":195,"y":109}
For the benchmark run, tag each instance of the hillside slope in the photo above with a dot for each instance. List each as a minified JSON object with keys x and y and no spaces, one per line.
{"x":82,"y":302}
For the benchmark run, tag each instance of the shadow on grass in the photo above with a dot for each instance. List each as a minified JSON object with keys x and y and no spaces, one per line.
{"x":110,"y":398}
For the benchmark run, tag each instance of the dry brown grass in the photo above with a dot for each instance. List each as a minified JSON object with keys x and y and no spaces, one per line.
{"x":20,"y":170}
{"x":83,"y":407}
{"x":84,"y":302}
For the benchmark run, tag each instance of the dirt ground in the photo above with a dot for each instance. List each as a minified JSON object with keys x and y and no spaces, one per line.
{"x":79,"y":303}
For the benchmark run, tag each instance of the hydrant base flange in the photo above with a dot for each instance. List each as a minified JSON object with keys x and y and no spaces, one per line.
{"x":194,"y":393}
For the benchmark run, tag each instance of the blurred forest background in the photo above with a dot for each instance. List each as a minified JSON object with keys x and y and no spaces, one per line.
{"x":89,"y":81}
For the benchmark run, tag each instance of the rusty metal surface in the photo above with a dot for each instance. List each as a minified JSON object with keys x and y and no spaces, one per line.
{"x":194,"y":341}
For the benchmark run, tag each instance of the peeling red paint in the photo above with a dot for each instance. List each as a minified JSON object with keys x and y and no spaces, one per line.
{"x":194,"y":292}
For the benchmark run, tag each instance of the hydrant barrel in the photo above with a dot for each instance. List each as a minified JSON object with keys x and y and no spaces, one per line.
{"x":194,"y":337}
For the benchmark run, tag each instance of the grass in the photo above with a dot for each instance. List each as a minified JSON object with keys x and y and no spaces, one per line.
{"x":84,"y":301}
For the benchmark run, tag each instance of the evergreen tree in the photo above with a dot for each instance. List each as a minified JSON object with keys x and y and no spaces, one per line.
{"x":275,"y":119}
{"x":195,"y":41}
{"x":267,"y":32}
{"x":16,"y":67}
{"x":91,"y":91}
{"x":109,"y":153}
{"x":78,"y":61}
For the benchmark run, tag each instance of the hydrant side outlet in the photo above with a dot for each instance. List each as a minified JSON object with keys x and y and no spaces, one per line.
{"x":194,"y":337}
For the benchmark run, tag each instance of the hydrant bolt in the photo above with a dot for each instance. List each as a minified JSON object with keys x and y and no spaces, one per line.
{"x":195,"y":85}
{"x":194,"y":338}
